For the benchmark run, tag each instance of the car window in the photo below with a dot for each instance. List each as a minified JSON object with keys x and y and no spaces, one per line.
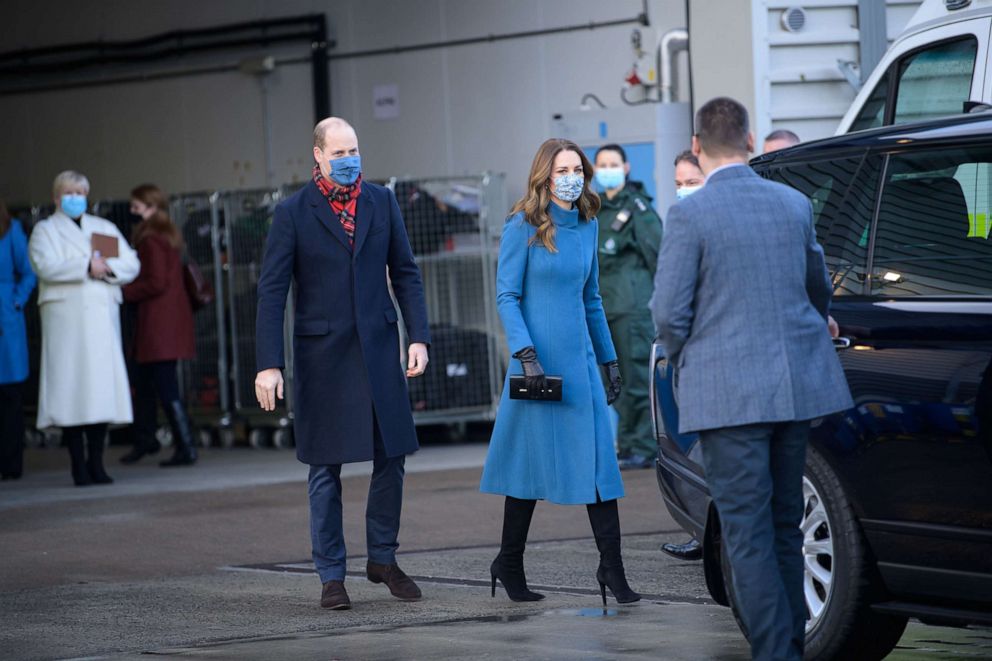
{"x":935,"y":82}
{"x":932,"y":237}
{"x":841,"y":191}
{"x":930,"y":83}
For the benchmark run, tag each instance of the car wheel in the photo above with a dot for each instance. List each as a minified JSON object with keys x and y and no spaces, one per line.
{"x":840,"y":580}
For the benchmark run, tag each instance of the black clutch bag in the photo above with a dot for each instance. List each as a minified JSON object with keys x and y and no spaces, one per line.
{"x":519,"y":390}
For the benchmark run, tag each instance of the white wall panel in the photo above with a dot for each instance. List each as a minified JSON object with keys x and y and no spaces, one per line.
{"x":462,"y":109}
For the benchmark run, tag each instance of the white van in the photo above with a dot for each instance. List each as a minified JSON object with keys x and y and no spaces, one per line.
{"x":937,"y":65}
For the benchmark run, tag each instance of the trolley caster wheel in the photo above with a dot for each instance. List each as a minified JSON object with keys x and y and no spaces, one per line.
{"x":226,"y":438}
{"x":33,"y":439}
{"x":51,"y":439}
{"x":204,"y":438}
{"x":258,"y":438}
{"x":283,"y":438}
{"x":457,"y":432}
{"x":164,"y":436}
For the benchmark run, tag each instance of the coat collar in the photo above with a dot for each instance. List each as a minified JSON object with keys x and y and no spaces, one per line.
{"x":363,"y":215}
{"x":728,"y":172}
{"x":77,"y":236}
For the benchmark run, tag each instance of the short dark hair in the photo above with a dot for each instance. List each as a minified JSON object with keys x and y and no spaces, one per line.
{"x":688,"y":157}
{"x":722,"y":127}
{"x":783,"y":134}
{"x":612,"y":147}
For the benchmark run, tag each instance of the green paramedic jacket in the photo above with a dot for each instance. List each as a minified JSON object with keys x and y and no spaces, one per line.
{"x":629,"y":240}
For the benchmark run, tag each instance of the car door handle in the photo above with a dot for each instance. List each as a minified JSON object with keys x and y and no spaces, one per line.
{"x":841,"y":343}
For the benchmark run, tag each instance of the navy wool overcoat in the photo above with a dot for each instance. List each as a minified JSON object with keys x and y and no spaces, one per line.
{"x":348,"y":374}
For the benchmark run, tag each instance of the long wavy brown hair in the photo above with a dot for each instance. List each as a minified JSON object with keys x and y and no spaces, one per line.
{"x":157,"y":223}
{"x":535,"y":203}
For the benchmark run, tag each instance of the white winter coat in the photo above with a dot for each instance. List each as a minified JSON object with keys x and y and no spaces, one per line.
{"x":83,"y":375}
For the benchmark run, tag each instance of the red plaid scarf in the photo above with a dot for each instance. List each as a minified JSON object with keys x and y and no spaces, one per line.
{"x":343,"y":200}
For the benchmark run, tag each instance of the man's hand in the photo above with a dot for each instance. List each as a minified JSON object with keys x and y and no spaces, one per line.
{"x":417,"y":359}
{"x":99,"y":269}
{"x":833,"y":327}
{"x":268,"y":386}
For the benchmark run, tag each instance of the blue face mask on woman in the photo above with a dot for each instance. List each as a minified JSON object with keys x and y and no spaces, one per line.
{"x":345,"y":170}
{"x":568,"y":187}
{"x":73,"y":205}
{"x":610,"y":178}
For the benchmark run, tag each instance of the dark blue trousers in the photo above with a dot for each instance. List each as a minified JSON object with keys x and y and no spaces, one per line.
{"x":382,"y":514}
{"x":755,"y":475}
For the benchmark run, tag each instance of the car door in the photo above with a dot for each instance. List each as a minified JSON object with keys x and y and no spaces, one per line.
{"x":923,"y":349}
{"x":929,"y":74}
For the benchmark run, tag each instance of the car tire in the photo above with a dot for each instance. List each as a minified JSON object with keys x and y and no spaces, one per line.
{"x":843,"y":579}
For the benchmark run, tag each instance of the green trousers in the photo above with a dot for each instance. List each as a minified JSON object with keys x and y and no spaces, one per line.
{"x":632,"y":337}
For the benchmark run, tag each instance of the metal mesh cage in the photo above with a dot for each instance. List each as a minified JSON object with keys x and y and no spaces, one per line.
{"x":203,"y":378}
{"x":450,"y":223}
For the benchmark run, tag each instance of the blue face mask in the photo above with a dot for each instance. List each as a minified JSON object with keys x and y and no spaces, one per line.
{"x":568,"y":187}
{"x":345,"y":170}
{"x":73,"y":205}
{"x":685,"y":191}
{"x":610,"y":178}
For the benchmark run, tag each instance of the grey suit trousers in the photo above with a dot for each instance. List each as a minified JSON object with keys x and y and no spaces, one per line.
{"x":755,"y":476}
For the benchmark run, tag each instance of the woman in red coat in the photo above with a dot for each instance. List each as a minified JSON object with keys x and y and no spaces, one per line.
{"x":164,"y":331}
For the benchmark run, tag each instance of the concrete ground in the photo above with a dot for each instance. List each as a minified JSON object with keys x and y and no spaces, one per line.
{"x":212,"y":562}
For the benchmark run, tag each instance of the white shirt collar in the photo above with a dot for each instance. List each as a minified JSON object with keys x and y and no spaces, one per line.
{"x":725,"y":167}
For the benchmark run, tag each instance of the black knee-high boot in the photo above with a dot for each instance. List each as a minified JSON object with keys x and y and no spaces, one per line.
{"x":508,"y":566}
{"x":73,"y":437}
{"x":605,"y":521}
{"x":96,"y":437}
{"x":184,"y":447}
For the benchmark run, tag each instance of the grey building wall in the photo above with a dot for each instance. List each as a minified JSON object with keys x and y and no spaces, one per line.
{"x":462,"y":109}
{"x":722,"y":51}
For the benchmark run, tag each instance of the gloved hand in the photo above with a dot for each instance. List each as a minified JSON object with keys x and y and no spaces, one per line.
{"x":533,"y":372}
{"x":613,"y":376}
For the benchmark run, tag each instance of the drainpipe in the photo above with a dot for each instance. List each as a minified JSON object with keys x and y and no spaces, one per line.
{"x":672,"y":42}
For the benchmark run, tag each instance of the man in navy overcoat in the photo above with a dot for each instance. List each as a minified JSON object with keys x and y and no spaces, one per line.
{"x":341,"y":242}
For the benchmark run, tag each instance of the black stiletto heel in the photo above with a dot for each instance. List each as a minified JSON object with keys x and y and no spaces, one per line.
{"x":510,"y":572}
{"x":602,"y":590}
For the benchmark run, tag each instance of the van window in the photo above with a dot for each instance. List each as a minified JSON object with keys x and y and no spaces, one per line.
{"x":935,"y":82}
{"x":841,"y":191}
{"x":932,"y":82}
{"x":932,"y":237}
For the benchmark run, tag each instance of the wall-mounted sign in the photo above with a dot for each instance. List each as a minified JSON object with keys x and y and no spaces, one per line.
{"x":386,"y":101}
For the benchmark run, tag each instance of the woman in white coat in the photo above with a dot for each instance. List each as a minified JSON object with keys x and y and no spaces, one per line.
{"x":84,"y":385}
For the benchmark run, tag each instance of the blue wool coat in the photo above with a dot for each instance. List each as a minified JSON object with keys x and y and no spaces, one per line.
{"x":557,"y":451}
{"x":346,"y":339}
{"x":16,"y":282}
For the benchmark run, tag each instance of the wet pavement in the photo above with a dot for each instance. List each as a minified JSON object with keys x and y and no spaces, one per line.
{"x":211,"y":563}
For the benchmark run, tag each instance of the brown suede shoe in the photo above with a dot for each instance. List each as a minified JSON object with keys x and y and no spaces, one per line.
{"x":334,"y":596}
{"x":400,"y":585}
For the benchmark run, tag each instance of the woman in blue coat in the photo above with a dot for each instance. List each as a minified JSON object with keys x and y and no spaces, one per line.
{"x":549,"y":303}
{"x":16,"y":282}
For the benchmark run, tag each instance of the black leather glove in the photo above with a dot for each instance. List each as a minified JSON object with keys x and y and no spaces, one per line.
{"x":613,"y":376}
{"x":533,"y":372}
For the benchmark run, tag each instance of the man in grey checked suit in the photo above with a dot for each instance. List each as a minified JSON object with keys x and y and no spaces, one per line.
{"x":741,"y":303}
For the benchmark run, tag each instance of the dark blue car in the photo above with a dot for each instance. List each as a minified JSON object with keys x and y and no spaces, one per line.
{"x":898,"y":490}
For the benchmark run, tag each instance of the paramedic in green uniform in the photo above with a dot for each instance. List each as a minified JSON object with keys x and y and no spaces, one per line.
{"x":629,"y":240}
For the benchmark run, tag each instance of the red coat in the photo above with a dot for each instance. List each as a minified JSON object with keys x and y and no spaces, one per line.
{"x":165,"y":317}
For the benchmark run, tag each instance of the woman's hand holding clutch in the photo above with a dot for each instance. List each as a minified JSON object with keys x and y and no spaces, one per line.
{"x":533,"y":372}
